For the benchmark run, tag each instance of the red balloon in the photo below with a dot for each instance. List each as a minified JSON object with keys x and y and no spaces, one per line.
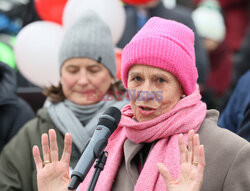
{"x":118,"y":57}
{"x":50,"y":10}
{"x":136,"y":2}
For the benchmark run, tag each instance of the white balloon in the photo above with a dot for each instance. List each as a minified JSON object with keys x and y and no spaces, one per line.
{"x":36,"y":50}
{"x":111,"y":11}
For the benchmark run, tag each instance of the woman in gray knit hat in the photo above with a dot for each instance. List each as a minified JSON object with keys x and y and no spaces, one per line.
{"x":88,"y":86}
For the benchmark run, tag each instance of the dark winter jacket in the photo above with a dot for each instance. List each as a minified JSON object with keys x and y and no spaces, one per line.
{"x":14,"y":111}
{"x":233,"y":114}
{"x":179,"y":14}
{"x":17,"y":167}
{"x":244,"y":130}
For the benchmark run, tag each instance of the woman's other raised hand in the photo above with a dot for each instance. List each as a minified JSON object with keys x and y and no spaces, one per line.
{"x":52,"y":173}
{"x":192,"y":166}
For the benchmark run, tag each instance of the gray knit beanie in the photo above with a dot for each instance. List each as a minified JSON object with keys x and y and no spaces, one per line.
{"x":89,"y":37}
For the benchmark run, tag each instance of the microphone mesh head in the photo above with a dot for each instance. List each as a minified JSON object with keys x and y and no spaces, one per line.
{"x":114,"y":112}
{"x":110,"y":118}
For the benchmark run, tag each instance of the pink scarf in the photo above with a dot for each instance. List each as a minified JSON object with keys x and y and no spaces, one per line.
{"x":188,"y":114}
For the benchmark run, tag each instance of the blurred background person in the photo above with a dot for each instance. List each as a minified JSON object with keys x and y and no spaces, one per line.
{"x":14,"y":111}
{"x":236,"y":14}
{"x":211,"y":27}
{"x":88,"y":86}
{"x":14,"y":15}
{"x":233,"y":114}
{"x":242,"y":61}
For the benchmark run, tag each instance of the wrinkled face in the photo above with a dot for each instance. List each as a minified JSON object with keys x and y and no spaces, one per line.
{"x":152,"y":91}
{"x":85,"y":81}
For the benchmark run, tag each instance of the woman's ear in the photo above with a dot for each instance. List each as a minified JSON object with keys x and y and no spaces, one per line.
{"x":182,"y":91}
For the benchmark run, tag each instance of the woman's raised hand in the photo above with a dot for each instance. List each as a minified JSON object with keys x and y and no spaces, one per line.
{"x":192,"y":166}
{"x":53,"y":174}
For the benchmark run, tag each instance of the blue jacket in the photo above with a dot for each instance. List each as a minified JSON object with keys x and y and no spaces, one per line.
{"x":245,"y":125}
{"x":233,"y":114}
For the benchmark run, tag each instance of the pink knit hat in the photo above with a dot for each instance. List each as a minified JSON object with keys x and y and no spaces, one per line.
{"x":164,"y":44}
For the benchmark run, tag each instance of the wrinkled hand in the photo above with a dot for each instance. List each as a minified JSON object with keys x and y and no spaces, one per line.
{"x":192,"y":166}
{"x":55,"y":175}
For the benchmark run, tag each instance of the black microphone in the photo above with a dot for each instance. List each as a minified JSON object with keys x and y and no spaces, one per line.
{"x":107,"y":124}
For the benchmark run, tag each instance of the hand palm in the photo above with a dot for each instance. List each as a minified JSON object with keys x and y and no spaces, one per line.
{"x":54,"y":175}
{"x":191,"y":169}
{"x":189,"y":178}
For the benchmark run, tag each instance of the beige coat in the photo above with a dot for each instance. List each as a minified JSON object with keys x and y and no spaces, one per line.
{"x":227,"y":160}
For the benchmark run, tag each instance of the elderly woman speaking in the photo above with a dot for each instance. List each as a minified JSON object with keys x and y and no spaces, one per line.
{"x":158,"y":69}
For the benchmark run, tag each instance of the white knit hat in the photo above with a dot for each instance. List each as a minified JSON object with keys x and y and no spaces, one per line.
{"x":209,"y":21}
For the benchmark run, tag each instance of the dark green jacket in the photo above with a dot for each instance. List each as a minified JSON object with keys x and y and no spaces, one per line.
{"x":17,"y":167}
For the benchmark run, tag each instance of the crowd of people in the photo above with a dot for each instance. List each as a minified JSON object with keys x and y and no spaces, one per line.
{"x":184,"y":97}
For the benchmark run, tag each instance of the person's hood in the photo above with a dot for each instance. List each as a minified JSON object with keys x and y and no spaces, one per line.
{"x":7,"y":84}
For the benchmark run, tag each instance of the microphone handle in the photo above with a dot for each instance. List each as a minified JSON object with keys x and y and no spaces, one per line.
{"x":93,"y":150}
